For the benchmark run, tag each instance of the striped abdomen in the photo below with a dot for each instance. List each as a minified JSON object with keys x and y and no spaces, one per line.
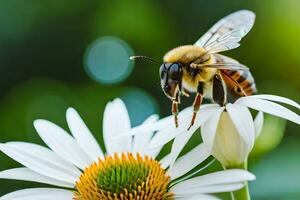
{"x":243,"y":77}
{"x":246,"y":81}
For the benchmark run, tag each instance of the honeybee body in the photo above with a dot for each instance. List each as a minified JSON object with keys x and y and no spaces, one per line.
{"x":200,"y":69}
{"x":192,"y":76}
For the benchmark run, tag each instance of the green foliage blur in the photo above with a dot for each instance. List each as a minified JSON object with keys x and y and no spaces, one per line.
{"x":42,"y":51}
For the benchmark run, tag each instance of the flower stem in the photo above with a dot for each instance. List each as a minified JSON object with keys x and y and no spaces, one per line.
{"x":242,"y":194}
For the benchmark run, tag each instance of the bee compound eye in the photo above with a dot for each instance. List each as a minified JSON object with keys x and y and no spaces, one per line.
{"x":175,"y":71}
{"x":162,"y":71}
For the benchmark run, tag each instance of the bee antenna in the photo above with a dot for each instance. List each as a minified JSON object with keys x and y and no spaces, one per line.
{"x":144,"y":58}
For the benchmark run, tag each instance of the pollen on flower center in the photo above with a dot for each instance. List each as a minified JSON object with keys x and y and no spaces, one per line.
{"x":124,"y":177}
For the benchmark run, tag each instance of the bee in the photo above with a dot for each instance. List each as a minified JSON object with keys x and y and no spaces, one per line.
{"x":199,"y":69}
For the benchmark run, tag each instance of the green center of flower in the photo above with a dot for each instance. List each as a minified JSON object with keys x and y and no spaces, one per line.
{"x":124,"y":177}
{"x":120,"y":175}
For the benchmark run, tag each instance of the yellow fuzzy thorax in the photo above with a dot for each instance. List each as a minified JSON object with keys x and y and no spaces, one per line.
{"x":187,"y":54}
{"x":125,"y":177}
{"x":184,"y":54}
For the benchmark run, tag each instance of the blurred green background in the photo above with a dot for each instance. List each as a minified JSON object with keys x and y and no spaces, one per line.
{"x":57,"y":54}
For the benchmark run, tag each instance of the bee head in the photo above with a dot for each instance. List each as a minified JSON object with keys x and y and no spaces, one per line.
{"x":171,"y":78}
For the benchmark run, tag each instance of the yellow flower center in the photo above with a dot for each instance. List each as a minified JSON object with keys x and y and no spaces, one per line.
{"x":125,"y":177}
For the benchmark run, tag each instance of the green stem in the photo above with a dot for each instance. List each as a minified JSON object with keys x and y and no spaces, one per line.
{"x":242,"y":194}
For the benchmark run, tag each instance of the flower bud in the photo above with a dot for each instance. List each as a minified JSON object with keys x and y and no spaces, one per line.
{"x":229,"y":147}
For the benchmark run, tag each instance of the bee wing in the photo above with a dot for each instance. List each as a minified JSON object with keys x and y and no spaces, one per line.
{"x":225,"y":62}
{"x":229,"y":66}
{"x":224,"y":59}
{"x":227,"y":33}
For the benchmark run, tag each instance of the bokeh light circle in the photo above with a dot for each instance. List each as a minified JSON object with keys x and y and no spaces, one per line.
{"x":139,"y":104}
{"x":107,"y":60}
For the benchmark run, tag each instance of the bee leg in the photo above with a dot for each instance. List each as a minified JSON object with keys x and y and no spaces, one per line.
{"x":175,"y":112}
{"x":197,"y":103}
{"x":218,"y":93}
{"x":185,"y":93}
{"x":175,"y":108}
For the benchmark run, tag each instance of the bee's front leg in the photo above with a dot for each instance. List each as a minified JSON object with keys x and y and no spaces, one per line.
{"x":175,"y":110}
{"x":197,"y":103}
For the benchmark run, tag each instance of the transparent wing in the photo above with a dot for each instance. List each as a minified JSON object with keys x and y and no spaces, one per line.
{"x":227,"y":33}
{"x":229,"y":66}
{"x":227,"y":61}
{"x":222,"y":62}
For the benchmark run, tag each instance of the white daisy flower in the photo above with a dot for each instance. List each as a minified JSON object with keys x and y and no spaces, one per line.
{"x":79,"y":170}
{"x":228,"y":132}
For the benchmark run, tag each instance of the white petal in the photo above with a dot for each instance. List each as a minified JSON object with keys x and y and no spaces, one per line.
{"x":258,"y":123}
{"x":270,"y":108}
{"x":115,"y":122}
{"x":209,"y":128}
{"x":83,"y":136}
{"x":242,"y":119}
{"x":275,"y":98}
{"x":201,"y":197}
{"x":184,"y":136}
{"x":153,"y":152}
{"x":208,"y":189}
{"x":41,"y":160}
{"x":169,"y":132}
{"x":26,"y":174}
{"x":178,"y":144}
{"x":221,"y":177}
{"x":187,"y":162}
{"x":221,"y":181}
{"x":167,"y":122}
{"x":62,"y":143}
{"x":39,"y":194}
{"x":140,"y":141}
{"x":165,"y":161}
